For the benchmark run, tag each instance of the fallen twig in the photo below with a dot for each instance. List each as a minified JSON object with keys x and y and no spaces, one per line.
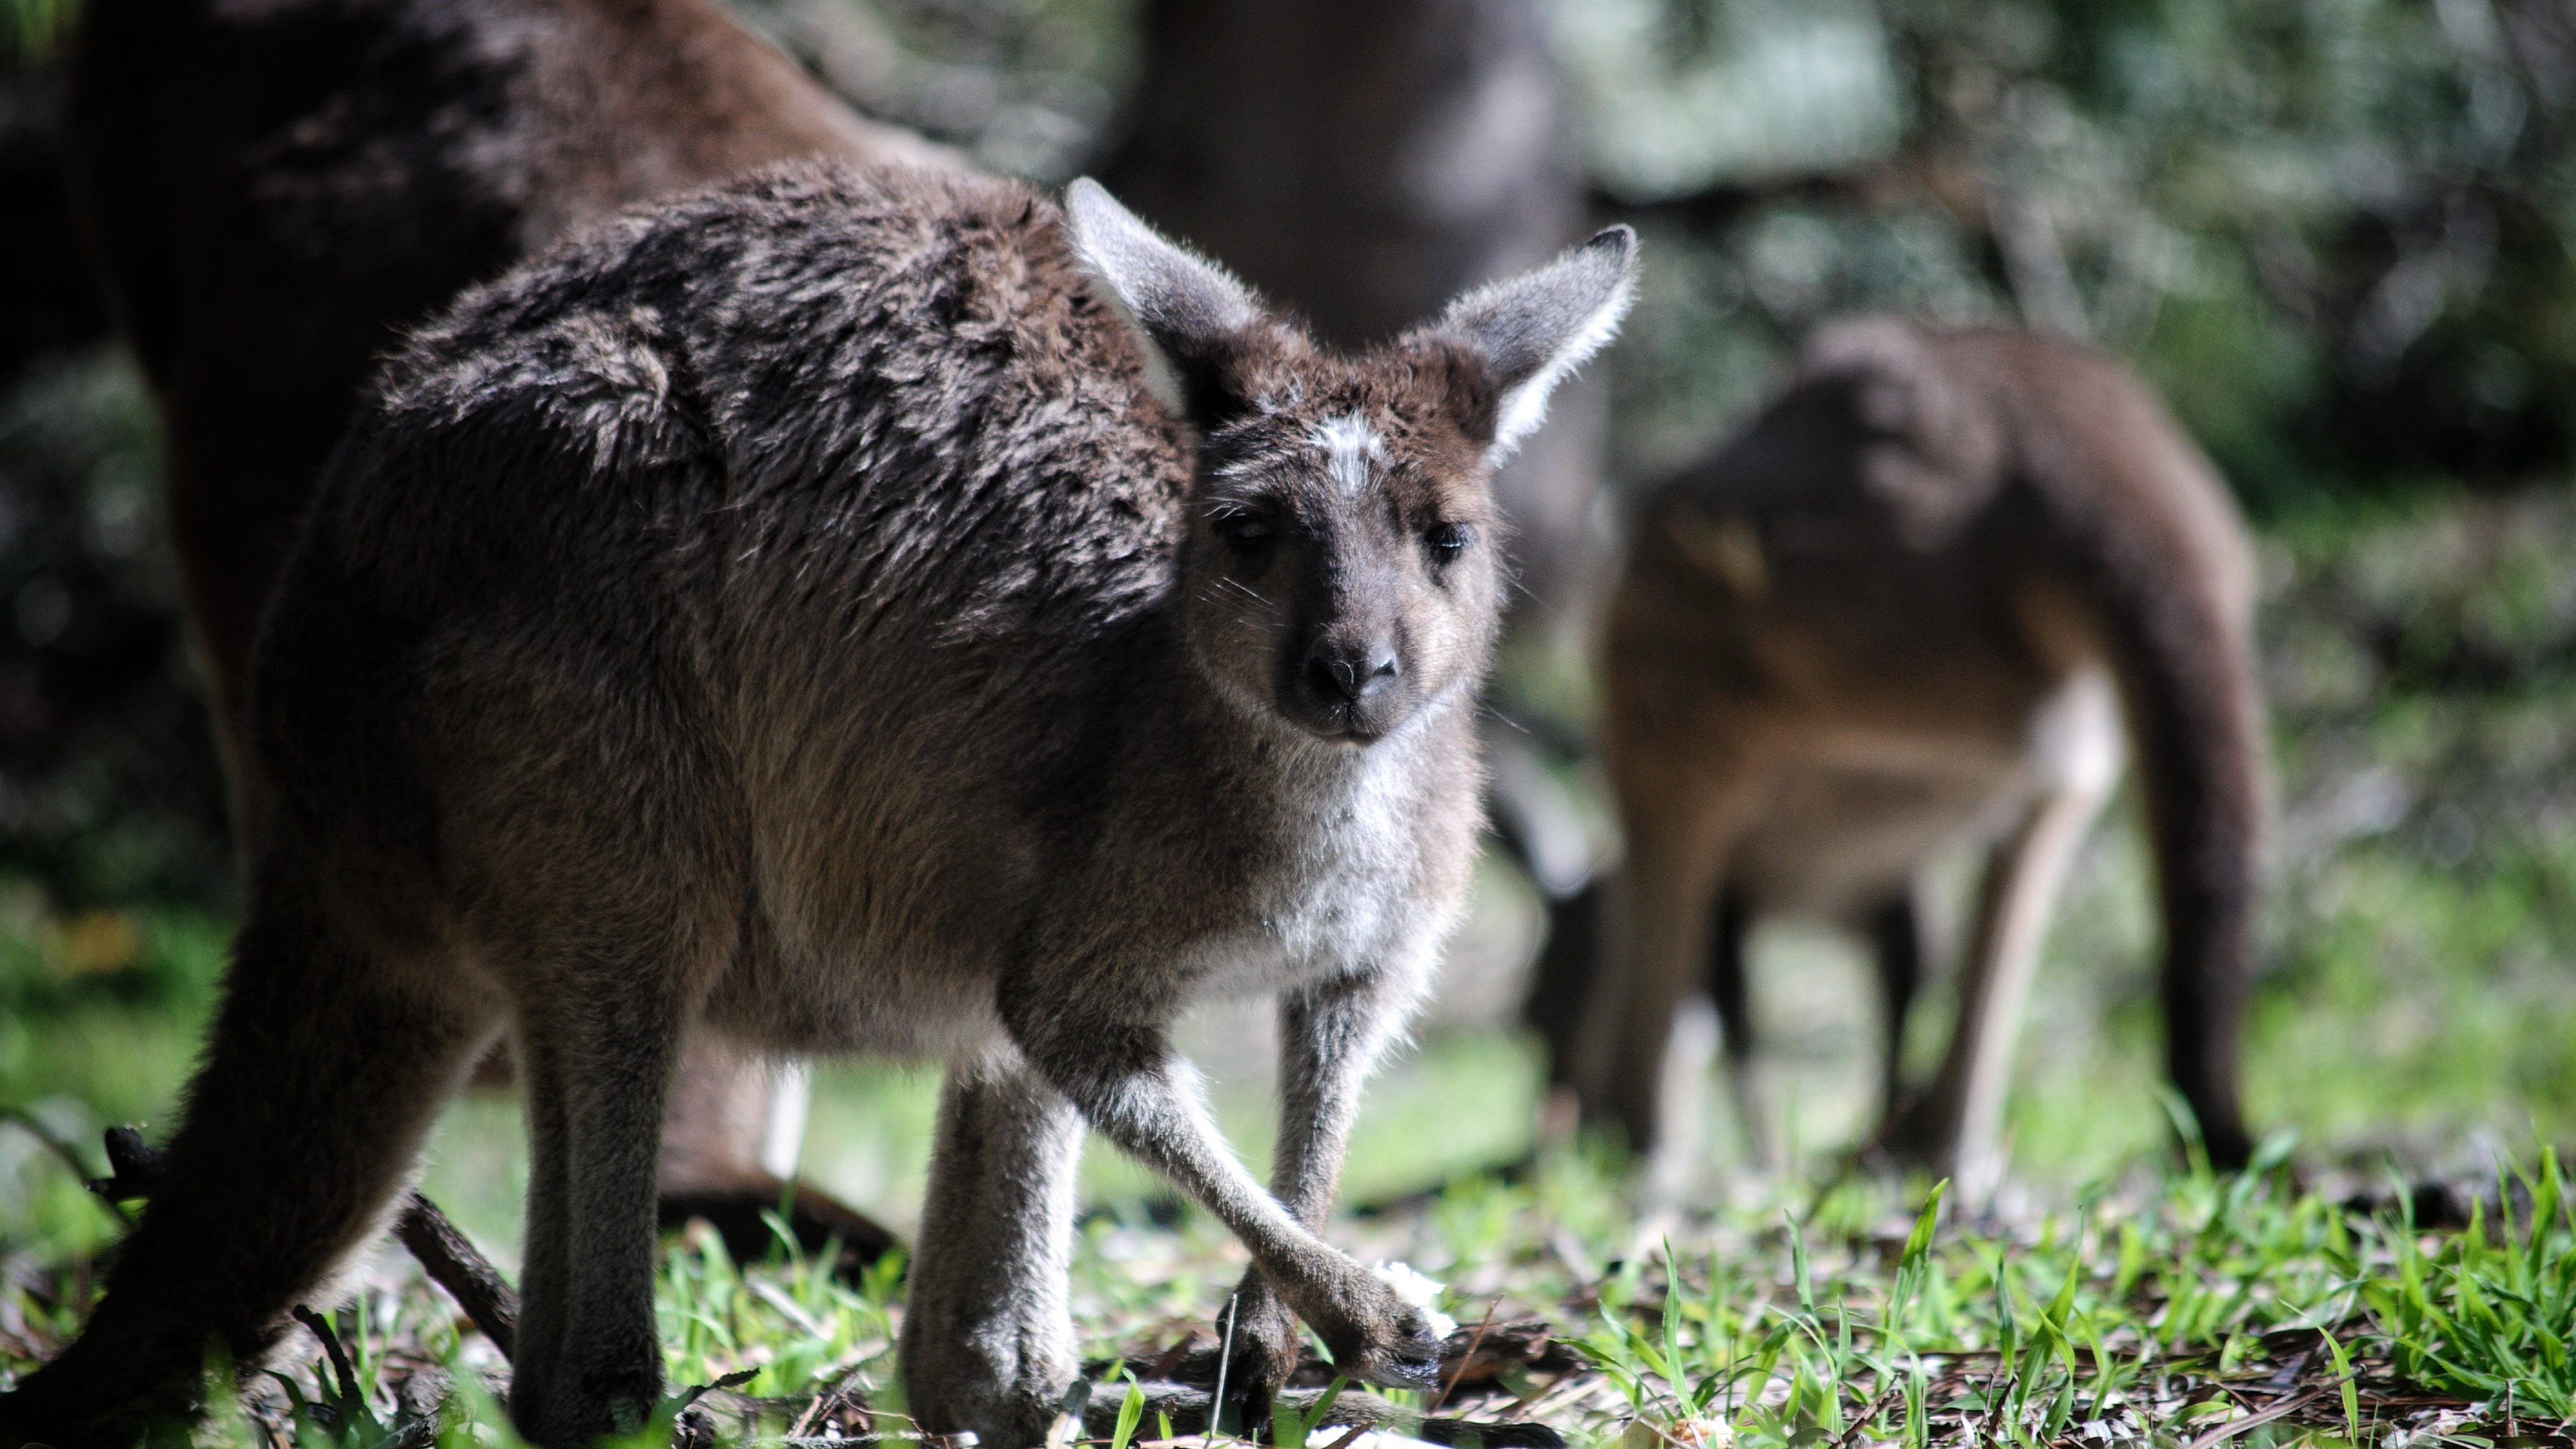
{"x":341,"y":1369}
{"x":455,"y":1264}
{"x":446,"y":1254}
{"x":1469,"y":1356}
{"x":36,"y":1128}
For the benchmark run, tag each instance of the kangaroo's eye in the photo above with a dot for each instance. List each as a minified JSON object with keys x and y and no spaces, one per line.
{"x":1243,"y":532}
{"x":1448,"y":540}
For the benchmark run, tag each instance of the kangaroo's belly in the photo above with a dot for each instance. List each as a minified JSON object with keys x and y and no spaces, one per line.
{"x":895,"y":938}
{"x":1833,"y":836}
{"x":1851,"y":817}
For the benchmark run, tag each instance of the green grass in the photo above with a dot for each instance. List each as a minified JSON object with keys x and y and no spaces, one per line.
{"x":2157,"y":1309}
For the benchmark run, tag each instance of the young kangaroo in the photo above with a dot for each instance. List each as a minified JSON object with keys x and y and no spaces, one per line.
{"x":851,"y":610}
{"x":1911,"y":607}
{"x":274,"y":192}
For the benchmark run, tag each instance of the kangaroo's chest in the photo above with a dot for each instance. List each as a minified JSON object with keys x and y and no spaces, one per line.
{"x":1347,"y":887}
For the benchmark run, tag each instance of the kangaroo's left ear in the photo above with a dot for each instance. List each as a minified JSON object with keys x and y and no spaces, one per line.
{"x":1186,"y":309}
{"x":1534,"y":330}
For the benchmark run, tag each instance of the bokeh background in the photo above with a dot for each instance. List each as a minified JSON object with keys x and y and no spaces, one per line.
{"x":2335,"y":233}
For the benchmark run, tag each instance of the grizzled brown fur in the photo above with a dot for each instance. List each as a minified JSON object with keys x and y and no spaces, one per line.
{"x":1910,"y":608}
{"x":797,"y":613}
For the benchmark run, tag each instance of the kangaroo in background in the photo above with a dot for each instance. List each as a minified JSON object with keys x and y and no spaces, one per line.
{"x":1913,"y":607}
{"x":275,"y":191}
{"x":851,"y":610}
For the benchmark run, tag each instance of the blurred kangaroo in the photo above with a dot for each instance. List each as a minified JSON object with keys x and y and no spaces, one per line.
{"x":1910,"y":608}
{"x":274,"y":191}
{"x":851,"y":610}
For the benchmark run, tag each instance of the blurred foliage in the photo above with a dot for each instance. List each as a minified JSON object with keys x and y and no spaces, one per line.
{"x":2335,"y":232}
{"x":1025,"y":87}
{"x":109,"y":789}
{"x":36,"y":27}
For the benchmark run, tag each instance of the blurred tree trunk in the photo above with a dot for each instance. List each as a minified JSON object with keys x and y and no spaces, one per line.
{"x":1363,"y":161}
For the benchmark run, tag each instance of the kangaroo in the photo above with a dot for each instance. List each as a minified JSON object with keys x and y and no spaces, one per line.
{"x":273,"y":192}
{"x":1913,"y":606}
{"x":851,"y":610}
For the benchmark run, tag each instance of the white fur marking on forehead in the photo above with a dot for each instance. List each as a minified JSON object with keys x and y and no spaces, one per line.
{"x":1351,"y":448}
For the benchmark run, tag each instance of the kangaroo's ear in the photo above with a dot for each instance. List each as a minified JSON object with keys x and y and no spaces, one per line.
{"x":1534,"y":330}
{"x":1185,"y":308}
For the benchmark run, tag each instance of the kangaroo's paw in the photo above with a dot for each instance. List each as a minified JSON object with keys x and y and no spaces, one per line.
{"x":1375,"y":1336}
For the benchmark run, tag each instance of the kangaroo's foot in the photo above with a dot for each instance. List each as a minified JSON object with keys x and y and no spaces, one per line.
{"x":1257,"y":1352}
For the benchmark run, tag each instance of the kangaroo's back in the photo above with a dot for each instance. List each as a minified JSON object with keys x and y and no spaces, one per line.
{"x":860,"y":429}
{"x":274,"y":191}
{"x":1922,"y":536}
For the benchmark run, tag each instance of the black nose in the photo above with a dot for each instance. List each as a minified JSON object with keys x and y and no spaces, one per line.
{"x":1342,"y":672}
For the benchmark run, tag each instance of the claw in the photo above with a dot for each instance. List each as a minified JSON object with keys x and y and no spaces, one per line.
{"x":1413,"y":1363}
{"x":1407,"y":1373}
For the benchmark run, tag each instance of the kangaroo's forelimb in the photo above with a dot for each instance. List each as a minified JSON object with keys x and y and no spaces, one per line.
{"x":1330,"y":1037}
{"x":1115,"y":1061}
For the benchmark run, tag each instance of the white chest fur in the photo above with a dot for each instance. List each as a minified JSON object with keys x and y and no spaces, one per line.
{"x":1350,"y":891}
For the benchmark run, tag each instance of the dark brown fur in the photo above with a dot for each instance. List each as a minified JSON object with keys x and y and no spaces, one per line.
{"x":796,"y":614}
{"x":1870,"y":629}
{"x":275,"y":191}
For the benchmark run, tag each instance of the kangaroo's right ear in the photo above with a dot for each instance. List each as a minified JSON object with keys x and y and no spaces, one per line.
{"x":1534,"y":330}
{"x":1183,"y":307}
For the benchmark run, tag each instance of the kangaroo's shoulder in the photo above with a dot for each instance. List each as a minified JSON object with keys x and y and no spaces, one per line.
{"x":1928,"y":429}
{"x":2108,"y":464}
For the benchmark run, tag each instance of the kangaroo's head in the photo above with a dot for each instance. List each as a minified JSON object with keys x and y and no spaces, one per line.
{"x":1344,"y":562}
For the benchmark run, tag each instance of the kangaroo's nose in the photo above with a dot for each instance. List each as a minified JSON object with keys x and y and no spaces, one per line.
{"x":1349,"y":671}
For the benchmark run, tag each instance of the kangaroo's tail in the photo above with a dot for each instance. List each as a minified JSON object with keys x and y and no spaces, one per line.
{"x":2163,"y":558}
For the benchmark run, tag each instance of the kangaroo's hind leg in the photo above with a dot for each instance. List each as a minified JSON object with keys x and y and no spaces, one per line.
{"x":597,"y":1038}
{"x":331,"y":1055}
{"x":1895,"y":928}
{"x":1641,"y":1065}
{"x":1730,"y":990}
{"x":1954,"y":1127}
{"x":988,"y":1340}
